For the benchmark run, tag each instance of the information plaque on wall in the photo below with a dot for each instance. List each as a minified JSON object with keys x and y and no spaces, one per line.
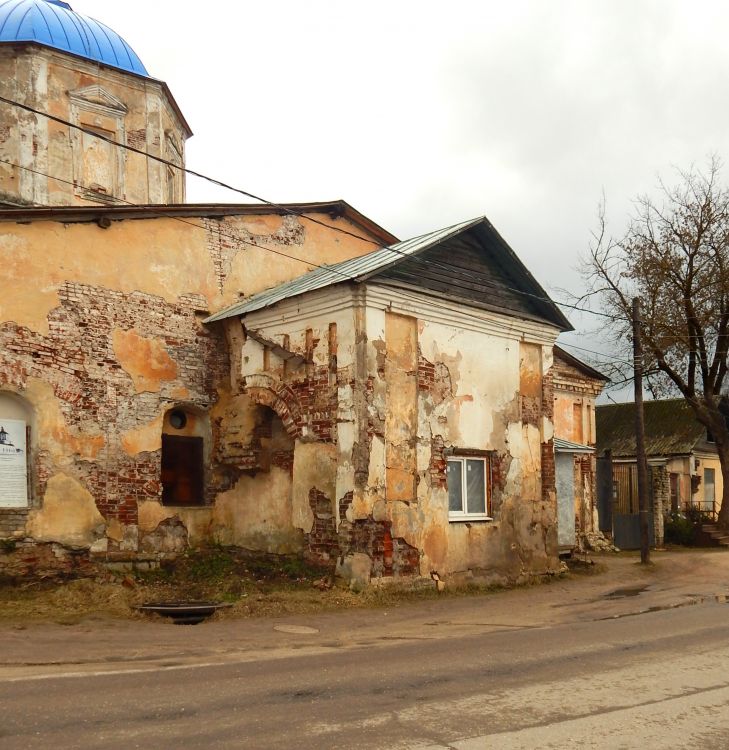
{"x":13,"y":464}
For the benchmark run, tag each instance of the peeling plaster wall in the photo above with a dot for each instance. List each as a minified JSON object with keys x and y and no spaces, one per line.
{"x":300,"y":365}
{"x":128,"y":108}
{"x":101,"y":335}
{"x":575,"y":394}
{"x":479,"y":391}
{"x":412,"y":385}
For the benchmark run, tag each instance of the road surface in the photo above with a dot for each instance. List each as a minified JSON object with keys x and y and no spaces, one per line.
{"x":624,"y":660}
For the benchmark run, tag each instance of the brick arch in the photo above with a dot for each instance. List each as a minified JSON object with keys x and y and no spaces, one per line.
{"x":267,"y":391}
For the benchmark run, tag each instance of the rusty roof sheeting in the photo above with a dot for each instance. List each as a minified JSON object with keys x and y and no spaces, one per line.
{"x":578,"y":364}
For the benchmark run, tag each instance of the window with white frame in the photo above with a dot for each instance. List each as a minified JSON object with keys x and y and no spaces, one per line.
{"x":468,"y":488}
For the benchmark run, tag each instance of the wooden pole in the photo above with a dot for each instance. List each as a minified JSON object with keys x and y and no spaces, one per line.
{"x":643,"y":499}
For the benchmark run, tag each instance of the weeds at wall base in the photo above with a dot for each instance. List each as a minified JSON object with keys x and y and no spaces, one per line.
{"x":258,"y":585}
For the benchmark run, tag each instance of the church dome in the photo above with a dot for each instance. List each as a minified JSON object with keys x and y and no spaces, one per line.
{"x":53,"y":23}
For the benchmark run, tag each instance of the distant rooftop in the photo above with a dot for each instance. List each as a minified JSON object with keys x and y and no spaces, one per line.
{"x":670,"y":428}
{"x":54,"y":23}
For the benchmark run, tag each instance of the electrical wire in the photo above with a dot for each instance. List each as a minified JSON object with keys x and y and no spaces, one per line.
{"x":186,"y":170}
{"x":160,"y":215}
{"x":431,"y":303}
{"x":606,"y":357}
{"x":157,"y":214}
{"x":288,"y":210}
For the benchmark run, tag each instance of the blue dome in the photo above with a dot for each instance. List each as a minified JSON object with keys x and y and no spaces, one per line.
{"x":54,"y":24}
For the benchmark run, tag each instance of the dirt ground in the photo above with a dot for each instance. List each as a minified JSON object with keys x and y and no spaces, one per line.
{"x":270,"y":586}
{"x":253,"y":584}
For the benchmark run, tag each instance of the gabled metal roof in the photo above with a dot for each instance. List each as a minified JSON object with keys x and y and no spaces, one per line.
{"x":566,"y":446}
{"x":571,"y":359}
{"x":355,"y":269}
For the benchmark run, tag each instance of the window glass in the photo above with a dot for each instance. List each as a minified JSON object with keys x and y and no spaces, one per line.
{"x":709,"y":486}
{"x":475,"y":486}
{"x":455,"y":486}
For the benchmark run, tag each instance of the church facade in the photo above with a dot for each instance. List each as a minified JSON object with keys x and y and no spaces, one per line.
{"x":288,"y":378}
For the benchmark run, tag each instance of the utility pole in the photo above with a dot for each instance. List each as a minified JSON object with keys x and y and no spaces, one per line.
{"x":645,"y":553}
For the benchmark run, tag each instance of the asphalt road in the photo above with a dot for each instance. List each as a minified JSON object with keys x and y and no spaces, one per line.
{"x":638,"y":679}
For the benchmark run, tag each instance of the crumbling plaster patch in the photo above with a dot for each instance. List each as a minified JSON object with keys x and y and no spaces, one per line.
{"x":144,"y":359}
{"x":65,"y":443}
{"x":256,"y":514}
{"x":68,"y":516}
{"x":147,"y":437}
{"x":315,"y":467}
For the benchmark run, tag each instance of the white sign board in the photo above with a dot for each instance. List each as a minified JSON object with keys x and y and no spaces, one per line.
{"x":13,"y":464}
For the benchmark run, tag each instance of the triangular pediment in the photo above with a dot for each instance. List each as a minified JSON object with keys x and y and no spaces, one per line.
{"x":473,"y":265}
{"x":467,"y":262}
{"x":96,"y":96}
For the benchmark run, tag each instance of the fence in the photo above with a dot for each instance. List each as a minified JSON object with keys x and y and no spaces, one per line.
{"x":705,"y":508}
{"x":625,"y":489}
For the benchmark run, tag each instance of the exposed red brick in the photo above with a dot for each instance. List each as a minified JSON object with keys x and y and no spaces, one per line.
{"x":76,"y":358}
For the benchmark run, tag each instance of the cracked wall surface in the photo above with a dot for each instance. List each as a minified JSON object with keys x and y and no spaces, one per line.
{"x":101,"y":336}
{"x":125,"y":108}
{"x":410,"y":390}
{"x":575,"y":394}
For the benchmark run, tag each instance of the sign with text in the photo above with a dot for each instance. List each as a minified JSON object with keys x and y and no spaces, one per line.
{"x":13,"y":464}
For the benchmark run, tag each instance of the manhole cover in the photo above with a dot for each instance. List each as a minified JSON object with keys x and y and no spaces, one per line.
{"x":295,"y":629}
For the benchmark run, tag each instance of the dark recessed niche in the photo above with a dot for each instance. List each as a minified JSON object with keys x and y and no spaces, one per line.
{"x":178,"y":419}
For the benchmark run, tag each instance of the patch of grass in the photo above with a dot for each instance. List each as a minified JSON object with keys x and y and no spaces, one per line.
{"x":67,"y":603}
{"x":208,"y":565}
{"x":257,"y":584}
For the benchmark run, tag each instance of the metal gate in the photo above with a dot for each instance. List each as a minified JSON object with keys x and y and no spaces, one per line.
{"x":604,"y":480}
{"x":618,"y":511}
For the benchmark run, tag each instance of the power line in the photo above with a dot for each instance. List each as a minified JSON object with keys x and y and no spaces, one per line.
{"x":432,"y":303}
{"x":280,"y":207}
{"x":186,"y":170}
{"x":159,"y":215}
{"x":606,"y":357}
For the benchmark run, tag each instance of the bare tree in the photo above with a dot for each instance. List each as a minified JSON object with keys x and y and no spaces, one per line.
{"x":674,"y":255}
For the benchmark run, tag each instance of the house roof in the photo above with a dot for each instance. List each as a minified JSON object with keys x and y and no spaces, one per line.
{"x":670,"y":428}
{"x":578,"y":364}
{"x":91,"y":214}
{"x":567,"y":446}
{"x":506,"y":285}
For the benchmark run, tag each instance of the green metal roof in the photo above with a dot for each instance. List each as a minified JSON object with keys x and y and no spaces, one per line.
{"x":670,"y":428}
{"x":386,"y":258}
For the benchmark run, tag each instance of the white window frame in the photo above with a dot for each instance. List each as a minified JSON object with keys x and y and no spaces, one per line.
{"x":462,"y":515}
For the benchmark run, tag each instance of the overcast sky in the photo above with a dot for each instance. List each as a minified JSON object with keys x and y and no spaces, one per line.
{"x":421,"y":114}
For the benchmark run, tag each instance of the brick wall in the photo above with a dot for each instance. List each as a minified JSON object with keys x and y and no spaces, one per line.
{"x":94,"y":393}
{"x":549,"y":474}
